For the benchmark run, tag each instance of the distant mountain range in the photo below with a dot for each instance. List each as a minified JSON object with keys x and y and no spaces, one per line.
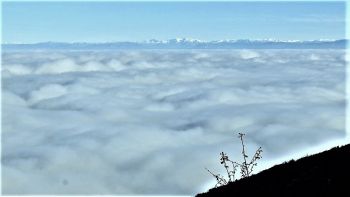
{"x":184,"y":43}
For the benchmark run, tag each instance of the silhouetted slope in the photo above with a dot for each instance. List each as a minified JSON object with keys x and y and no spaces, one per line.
{"x":323,"y":174}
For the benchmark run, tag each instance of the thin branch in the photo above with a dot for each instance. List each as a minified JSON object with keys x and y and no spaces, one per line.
{"x":245,"y":167}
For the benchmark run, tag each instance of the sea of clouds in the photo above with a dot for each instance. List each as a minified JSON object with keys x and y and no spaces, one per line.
{"x":149,"y":122}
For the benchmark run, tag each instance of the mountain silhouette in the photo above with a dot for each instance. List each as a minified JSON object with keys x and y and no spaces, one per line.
{"x":184,"y":44}
{"x":322,"y":174}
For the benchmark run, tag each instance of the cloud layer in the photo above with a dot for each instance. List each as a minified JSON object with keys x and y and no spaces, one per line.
{"x":148,"y":122}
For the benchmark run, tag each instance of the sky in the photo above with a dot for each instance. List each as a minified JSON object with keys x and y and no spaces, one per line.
{"x":31,"y":22}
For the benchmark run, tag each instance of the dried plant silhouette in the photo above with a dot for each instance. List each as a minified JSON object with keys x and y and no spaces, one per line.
{"x":231,"y":166}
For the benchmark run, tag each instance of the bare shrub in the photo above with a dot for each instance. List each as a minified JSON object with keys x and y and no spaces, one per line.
{"x":246,"y":167}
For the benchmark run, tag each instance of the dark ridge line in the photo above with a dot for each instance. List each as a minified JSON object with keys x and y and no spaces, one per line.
{"x":323,"y":174}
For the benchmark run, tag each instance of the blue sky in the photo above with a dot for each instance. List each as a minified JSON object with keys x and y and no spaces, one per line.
{"x":30,"y":22}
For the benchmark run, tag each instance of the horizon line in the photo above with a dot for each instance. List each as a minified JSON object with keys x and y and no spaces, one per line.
{"x":165,"y":41}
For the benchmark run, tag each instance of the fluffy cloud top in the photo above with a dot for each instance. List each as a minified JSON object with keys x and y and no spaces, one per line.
{"x":148,"y":122}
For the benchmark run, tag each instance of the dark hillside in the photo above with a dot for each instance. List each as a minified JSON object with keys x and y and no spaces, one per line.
{"x":322,"y":174}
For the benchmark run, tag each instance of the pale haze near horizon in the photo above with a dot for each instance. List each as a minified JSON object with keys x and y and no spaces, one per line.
{"x":32,"y":22}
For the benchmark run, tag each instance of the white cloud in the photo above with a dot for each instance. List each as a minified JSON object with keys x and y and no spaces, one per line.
{"x":249,"y":54}
{"x":47,"y":92}
{"x":17,"y":69}
{"x":148,"y":122}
